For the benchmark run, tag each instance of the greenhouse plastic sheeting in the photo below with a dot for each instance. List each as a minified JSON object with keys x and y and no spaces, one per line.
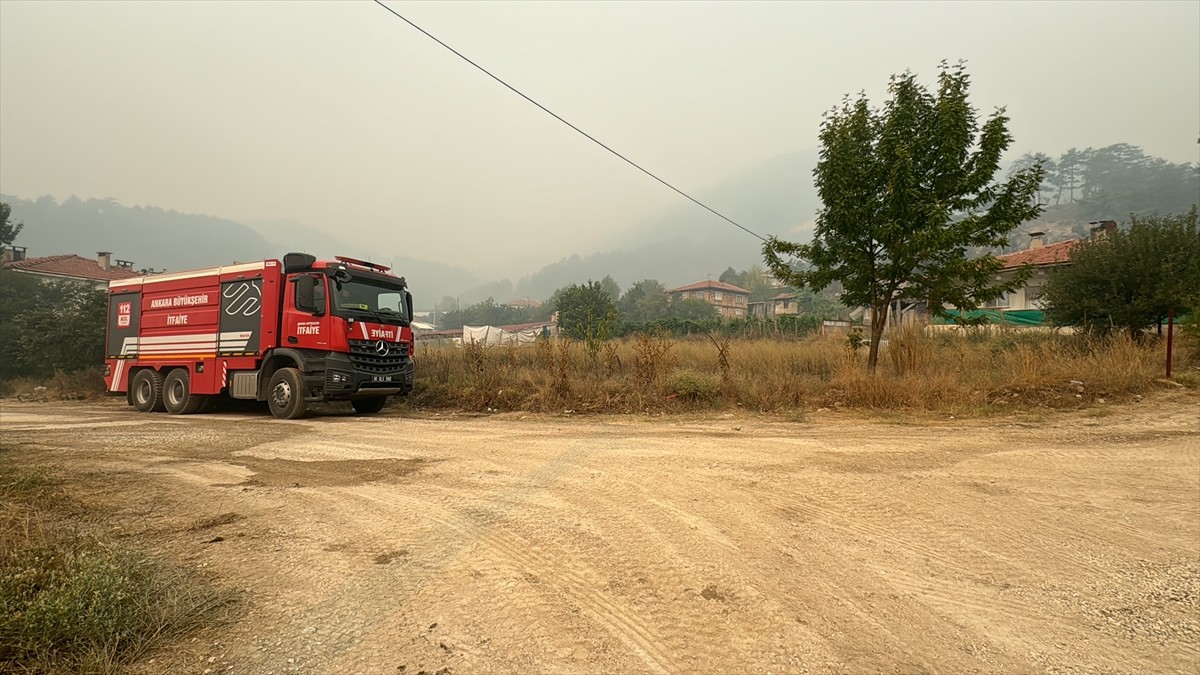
{"x":491,"y":336}
{"x":1012,"y":317}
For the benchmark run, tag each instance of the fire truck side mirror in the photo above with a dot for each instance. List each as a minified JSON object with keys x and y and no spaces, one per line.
{"x":310,"y":294}
{"x":408,"y":304}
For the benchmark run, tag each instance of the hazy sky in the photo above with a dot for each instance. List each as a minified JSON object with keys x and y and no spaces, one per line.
{"x":342,"y":117}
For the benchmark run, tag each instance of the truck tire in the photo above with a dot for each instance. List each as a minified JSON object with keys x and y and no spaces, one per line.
{"x":368,"y":406}
{"x":147,"y":391}
{"x":177,"y":394}
{"x":285,"y":395}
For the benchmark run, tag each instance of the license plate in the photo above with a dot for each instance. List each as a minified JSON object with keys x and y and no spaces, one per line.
{"x":381,"y":378}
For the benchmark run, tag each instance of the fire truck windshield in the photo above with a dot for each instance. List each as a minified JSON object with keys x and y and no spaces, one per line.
{"x":385,"y":303}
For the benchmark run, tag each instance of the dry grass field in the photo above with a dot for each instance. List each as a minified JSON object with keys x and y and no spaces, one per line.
{"x":972,"y":374}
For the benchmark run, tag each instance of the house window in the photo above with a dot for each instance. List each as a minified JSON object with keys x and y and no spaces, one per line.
{"x":717,"y":296}
{"x":1002,"y":302}
{"x":1033,"y":295}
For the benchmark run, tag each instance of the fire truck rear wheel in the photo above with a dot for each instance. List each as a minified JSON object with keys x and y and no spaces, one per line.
{"x":286,"y":394}
{"x":147,"y":391}
{"x":367,"y":406}
{"x":178,"y":396}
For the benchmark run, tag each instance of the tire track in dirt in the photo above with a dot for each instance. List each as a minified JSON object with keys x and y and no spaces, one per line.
{"x":706,"y":584}
{"x":938,"y":536}
{"x":569,"y":580}
{"x":929,"y":539}
{"x":361,"y":589}
{"x":621,"y":623}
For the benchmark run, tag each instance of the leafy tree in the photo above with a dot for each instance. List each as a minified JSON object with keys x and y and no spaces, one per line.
{"x":610,"y":287}
{"x":8,"y":230}
{"x":485,"y":313}
{"x":1122,"y":178}
{"x":49,"y":326}
{"x":820,"y":305}
{"x":1069,"y":174}
{"x":645,"y":301}
{"x":755,"y":280}
{"x":1029,"y":161}
{"x":1130,"y":279}
{"x":732,"y":276}
{"x":586,"y":312}
{"x":905,"y":193}
{"x":692,"y":309}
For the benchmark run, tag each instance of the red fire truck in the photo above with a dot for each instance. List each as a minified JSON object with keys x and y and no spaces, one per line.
{"x":288,"y":333}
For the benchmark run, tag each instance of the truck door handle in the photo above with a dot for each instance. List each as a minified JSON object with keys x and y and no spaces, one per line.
{"x":292,"y":339}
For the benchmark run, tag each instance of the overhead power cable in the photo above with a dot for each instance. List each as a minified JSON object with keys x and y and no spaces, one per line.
{"x":560,"y":119}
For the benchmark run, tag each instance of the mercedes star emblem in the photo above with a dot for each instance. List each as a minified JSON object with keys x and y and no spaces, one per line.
{"x":381,"y":348}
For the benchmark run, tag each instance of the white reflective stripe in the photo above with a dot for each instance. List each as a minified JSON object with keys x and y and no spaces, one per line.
{"x":128,"y":345}
{"x":183,"y":346}
{"x":116,"y":381}
{"x":364,"y":329}
{"x":211,"y":271}
{"x":190,"y":337}
{"x":234,"y":341}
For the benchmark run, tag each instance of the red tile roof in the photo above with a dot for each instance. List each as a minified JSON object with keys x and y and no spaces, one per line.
{"x":710,"y":284}
{"x":1050,"y":254}
{"x":73,"y":266}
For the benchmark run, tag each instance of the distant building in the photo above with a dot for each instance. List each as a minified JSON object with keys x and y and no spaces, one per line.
{"x":1044,"y":258}
{"x":777,"y":305}
{"x":731,"y":301}
{"x":1027,"y":300}
{"x":523,"y":303}
{"x":70,"y":267}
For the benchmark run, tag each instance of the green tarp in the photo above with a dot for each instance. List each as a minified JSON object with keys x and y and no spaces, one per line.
{"x":1004,"y":317}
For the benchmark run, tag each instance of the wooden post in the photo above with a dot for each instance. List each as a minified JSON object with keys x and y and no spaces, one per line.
{"x":1170,"y":336}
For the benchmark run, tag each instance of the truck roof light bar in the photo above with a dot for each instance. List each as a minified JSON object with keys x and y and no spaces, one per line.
{"x":362,"y":263}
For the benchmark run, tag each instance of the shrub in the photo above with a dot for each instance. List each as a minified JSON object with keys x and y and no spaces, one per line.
{"x":72,"y":601}
{"x":693,"y":386}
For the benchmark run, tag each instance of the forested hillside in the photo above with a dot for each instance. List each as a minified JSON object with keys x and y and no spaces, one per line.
{"x":148,"y":236}
{"x":1108,"y":183}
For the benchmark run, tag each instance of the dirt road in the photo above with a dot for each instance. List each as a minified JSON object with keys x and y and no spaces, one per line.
{"x":1067,"y":543}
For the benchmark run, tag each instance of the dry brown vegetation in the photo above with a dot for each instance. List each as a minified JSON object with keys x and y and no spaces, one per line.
{"x":62,"y":386}
{"x":945,"y":371}
{"x":976,"y":371}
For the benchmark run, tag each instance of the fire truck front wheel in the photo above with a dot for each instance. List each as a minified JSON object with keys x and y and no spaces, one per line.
{"x":286,"y":394}
{"x":177,"y":394}
{"x":147,"y":391}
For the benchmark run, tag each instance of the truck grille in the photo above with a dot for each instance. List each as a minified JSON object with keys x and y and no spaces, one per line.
{"x":365,"y":359}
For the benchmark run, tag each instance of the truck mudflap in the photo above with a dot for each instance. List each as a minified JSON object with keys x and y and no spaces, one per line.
{"x":339,"y":377}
